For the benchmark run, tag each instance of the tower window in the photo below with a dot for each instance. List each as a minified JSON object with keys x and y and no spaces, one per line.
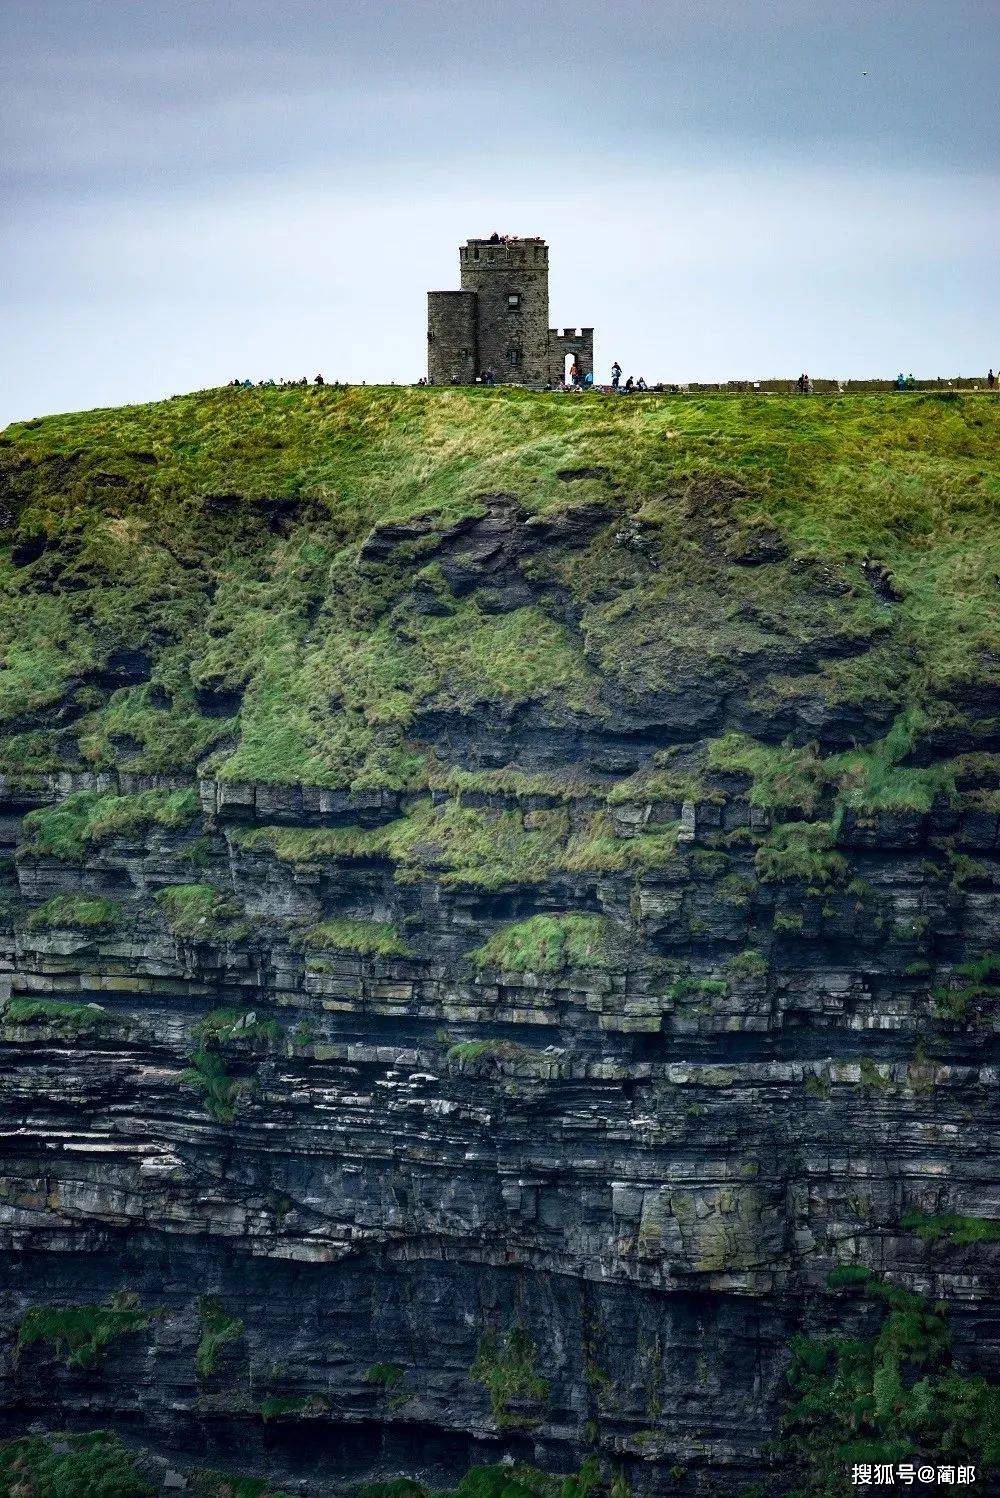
{"x":514,"y":358}
{"x":514,"y":299}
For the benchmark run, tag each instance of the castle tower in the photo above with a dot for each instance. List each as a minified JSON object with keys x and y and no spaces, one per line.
{"x":452,"y":352}
{"x":511,"y":280}
{"x":499,"y":321}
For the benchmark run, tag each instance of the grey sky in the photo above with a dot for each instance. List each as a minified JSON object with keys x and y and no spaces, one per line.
{"x":198,"y":190}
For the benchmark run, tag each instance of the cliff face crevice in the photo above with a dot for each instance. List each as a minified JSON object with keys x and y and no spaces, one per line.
{"x":489,"y":977}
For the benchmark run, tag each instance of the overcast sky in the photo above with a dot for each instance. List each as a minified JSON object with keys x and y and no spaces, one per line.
{"x":198,"y":189}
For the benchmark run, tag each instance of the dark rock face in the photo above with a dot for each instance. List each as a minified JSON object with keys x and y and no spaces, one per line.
{"x":647,"y":1182}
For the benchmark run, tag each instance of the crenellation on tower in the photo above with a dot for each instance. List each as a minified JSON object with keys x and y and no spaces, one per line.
{"x":498,"y":323}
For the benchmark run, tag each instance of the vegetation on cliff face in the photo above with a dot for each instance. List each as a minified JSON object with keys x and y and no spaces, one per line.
{"x":548,"y":943}
{"x":217,"y":1330}
{"x":550,"y":648}
{"x":80,"y":1334}
{"x":505,"y":1365}
{"x":182,"y":582}
{"x":893,"y":1397}
{"x":86,"y":817}
{"x":94,"y":1465}
{"x":98,"y":1464}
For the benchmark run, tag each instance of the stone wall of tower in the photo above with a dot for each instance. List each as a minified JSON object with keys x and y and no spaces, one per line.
{"x":452,"y":354}
{"x":576,"y":341}
{"x":511,"y":280}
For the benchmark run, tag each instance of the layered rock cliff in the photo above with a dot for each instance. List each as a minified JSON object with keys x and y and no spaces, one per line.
{"x":499,"y":932}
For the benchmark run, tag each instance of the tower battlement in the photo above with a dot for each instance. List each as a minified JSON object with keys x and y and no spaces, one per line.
{"x":498,"y":322}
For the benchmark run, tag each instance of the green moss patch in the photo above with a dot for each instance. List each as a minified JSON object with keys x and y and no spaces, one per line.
{"x":68,"y":1465}
{"x":973,"y":990}
{"x":802,"y":853}
{"x":549,"y":944}
{"x":197,"y":912}
{"x":367,"y":938}
{"x":208,"y":1483}
{"x":783,"y":778}
{"x":514,"y":1480}
{"x":482,"y":847}
{"x":65,"y":1016}
{"x":951,"y":1227}
{"x":76,"y":912}
{"x":224,"y":1025}
{"x":66,"y":830}
{"x":220,"y":1092}
{"x":292,"y":1406}
{"x":505,"y":1365}
{"x":80,"y":1335}
{"x":893,"y":1397}
{"x":217,"y":1330}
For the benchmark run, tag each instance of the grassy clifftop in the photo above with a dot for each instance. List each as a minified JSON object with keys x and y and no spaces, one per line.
{"x":196,"y":582}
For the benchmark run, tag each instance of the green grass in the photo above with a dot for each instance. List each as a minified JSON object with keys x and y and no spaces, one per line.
{"x":693,"y":986}
{"x":79,"y":1335}
{"x":746,"y":966}
{"x":291,"y":1406}
{"x":962,"y":1001}
{"x":492,"y":1050}
{"x":223,"y":1025}
{"x":196,"y":912}
{"x":549,"y":944}
{"x":892,"y":1397}
{"x":64,"y":1015}
{"x":800,"y":852}
{"x":783,"y":778}
{"x":77,"y":912}
{"x":220,"y":1092}
{"x":207,"y":1483}
{"x":217,"y":1330}
{"x":215,"y":536}
{"x":67,"y":1465}
{"x":505,"y":1365}
{"x":367,"y":938}
{"x":952,"y":1228}
{"x":478,"y":847}
{"x":66,"y":830}
{"x":848,"y":1275}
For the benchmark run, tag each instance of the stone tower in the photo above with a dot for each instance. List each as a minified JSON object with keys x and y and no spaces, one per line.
{"x":499,"y":321}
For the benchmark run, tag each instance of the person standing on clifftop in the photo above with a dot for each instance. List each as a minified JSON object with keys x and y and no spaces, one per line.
{"x":616,"y":374}
{"x":991,"y":380}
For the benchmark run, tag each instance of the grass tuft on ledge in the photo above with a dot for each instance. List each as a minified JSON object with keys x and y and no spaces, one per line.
{"x":549,"y":944}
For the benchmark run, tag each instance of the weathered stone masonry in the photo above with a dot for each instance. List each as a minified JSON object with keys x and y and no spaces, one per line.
{"x":499,"y":320}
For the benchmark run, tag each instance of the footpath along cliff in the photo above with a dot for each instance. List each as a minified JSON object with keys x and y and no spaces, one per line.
{"x":500,"y":938}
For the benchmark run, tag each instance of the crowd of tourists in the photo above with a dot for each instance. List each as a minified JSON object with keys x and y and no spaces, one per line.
{"x":284,"y":384}
{"x":576,"y":380}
